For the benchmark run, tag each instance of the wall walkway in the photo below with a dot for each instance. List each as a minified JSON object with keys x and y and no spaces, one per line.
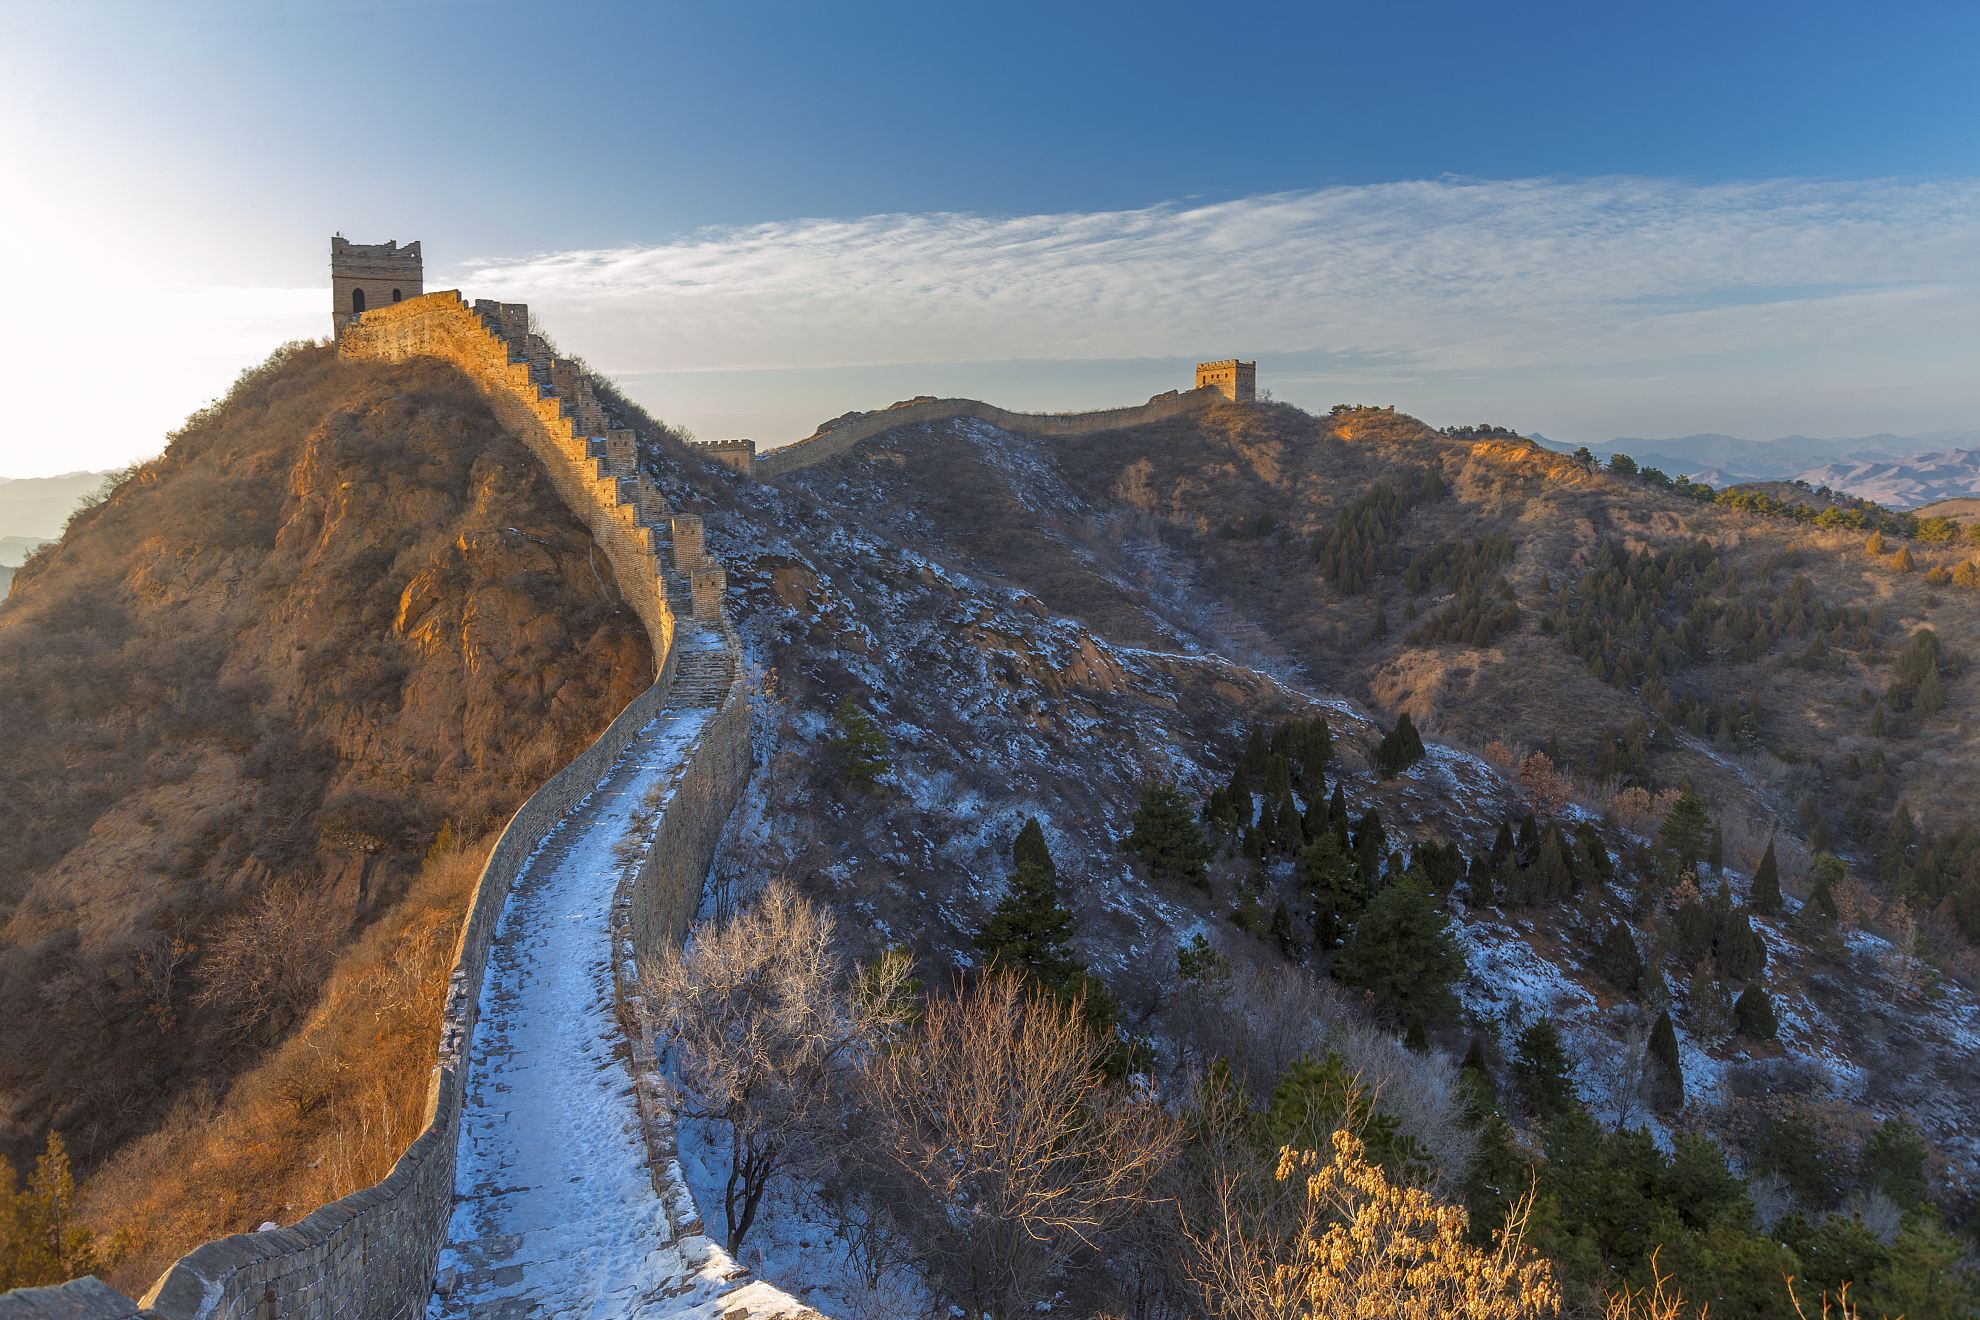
{"x":374,"y":1253}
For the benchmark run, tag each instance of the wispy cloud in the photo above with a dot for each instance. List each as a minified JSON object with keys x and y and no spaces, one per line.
{"x":1447,"y":275}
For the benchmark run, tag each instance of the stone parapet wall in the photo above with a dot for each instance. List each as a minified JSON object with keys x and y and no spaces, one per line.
{"x":838,"y":437}
{"x":373,"y":1253}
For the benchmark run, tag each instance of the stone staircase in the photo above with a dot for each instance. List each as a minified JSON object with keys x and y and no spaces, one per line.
{"x":690,"y":581}
{"x":703,"y":675}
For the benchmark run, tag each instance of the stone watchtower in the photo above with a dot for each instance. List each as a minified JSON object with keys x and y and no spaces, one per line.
{"x":366,"y":275}
{"x":1233,"y":378}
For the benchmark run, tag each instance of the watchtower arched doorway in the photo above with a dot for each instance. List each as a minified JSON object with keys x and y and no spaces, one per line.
{"x":357,"y":301}
{"x":395,"y":295}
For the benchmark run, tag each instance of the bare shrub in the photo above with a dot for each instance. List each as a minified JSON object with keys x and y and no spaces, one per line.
{"x":758,"y":1018}
{"x":1018,"y":1153}
{"x":267,"y":962}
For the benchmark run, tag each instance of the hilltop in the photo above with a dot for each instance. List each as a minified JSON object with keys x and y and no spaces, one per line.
{"x":260,"y":703}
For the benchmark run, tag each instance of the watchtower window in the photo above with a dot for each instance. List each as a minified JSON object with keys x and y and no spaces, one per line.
{"x":357,"y":300}
{"x":395,"y":295}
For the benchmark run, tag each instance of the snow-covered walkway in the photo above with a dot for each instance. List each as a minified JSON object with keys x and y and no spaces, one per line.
{"x":555,"y":1211}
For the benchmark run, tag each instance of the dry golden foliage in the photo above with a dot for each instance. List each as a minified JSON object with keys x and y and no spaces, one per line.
{"x":326,"y":1113}
{"x":1545,"y":787}
{"x":1368,"y":1249}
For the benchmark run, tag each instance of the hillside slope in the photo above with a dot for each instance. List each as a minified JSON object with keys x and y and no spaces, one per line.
{"x":1038,"y":626}
{"x":342,"y":625}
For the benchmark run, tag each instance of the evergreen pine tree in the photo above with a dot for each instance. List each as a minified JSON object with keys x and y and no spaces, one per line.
{"x":1167,"y":838}
{"x":1314,"y":823}
{"x":1030,"y":849}
{"x":1400,"y":749}
{"x":1030,"y":930}
{"x":1553,"y":880}
{"x":1595,"y":866}
{"x":1333,"y":884}
{"x":1278,"y":777}
{"x":1742,"y":949}
{"x":1683,"y":839}
{"x":860,"y":745}
{"x":1281,"y":931}
{"x":1618,"y":961}
{"x":1478,"y":880}
{"x":43,"y":1239}
{"x":1526,"y":845}
{"x":1243,"y":810}
{"x":1765,"y":894}
{"x":1541,"y":1065}
{"x":1894,"y":1162}
{"x":1664,"y":1074}
{"x":1257,"y":752}
{"x":1753,"y":1014}
{"x":1705,"y":997}
{"x":1502,"y":844}
{"x":1337,"y":816}
{"x":1371,"y":849}
{"x":1291,"y":832}
{"x":1403,"y":952}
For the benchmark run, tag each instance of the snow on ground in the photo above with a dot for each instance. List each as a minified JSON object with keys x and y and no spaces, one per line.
{"x":555,"y":1210}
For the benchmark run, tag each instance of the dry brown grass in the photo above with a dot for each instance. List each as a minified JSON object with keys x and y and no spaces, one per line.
{"x":343,"y":614}
{"x":328,"y":1112}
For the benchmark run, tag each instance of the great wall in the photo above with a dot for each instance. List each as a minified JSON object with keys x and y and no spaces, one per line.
{"x":682,"y":743}
{"x":449,"y":1231}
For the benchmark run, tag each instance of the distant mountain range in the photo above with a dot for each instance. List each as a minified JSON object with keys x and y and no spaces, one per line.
{"x":37,"y":507}
{"x":1902,"y":471}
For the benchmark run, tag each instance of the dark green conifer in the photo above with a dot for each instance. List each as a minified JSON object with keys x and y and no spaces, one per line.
{"x":1540,"y":1063}
{"x":1618,"y":961}
{"x":1167,"y":838}
{"x":859,"y":744}
{"x":1753,"y":1014}
{"x":1683,"y":839}
{"x":1765,"y":895}
{"x":1402,"y":951}
{"x":1030,"y":930}
{"x":1400,"y":749}
{"x":1664,"y":1074}
{"x":1328,"y":873}
{"x":1371,"y":848}
{"x":1337,"y":815}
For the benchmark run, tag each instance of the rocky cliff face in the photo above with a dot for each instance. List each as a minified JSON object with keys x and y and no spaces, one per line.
{"x":342,"y":617}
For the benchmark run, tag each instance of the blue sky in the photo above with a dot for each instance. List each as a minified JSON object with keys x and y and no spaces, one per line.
{"x":1582,"y":219}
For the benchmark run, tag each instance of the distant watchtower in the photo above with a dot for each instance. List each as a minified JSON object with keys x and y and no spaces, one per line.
{"x":366,"y":275}
{"x":1234,"y":379}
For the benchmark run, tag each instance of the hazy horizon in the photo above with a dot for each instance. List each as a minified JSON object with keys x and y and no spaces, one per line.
{"x":1631,"y":232}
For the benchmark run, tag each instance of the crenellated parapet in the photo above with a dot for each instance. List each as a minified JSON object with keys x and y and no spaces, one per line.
{"x":552,"y":402}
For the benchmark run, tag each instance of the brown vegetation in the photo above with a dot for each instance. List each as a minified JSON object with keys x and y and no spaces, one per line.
{"x":342,"y":621}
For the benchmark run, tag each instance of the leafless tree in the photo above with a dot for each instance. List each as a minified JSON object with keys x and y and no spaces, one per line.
{"x":1016,"y":1149}
{"x":759,"y":1018}
{"x":269,"y":959}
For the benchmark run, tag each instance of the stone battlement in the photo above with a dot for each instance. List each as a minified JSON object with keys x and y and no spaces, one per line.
{"x":738,"y":454}
{"x":1234,"y":378}
{"x":366,"y":276}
